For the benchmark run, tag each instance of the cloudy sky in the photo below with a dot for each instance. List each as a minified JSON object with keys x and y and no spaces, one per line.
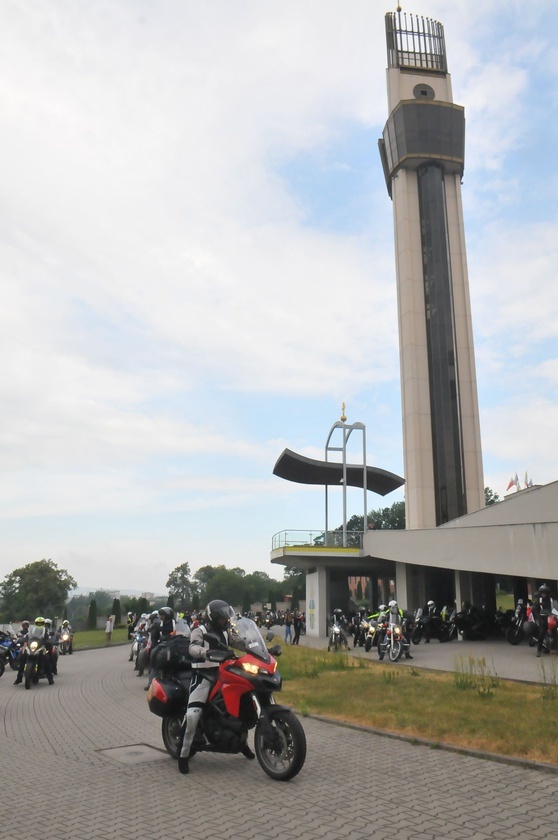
{"x":197,"y":266}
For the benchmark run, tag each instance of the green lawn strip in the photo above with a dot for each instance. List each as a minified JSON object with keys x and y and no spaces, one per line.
{"x":490,"y":714}
{"x":96,"y":638}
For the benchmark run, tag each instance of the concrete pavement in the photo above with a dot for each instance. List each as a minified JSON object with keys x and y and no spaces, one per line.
{"x":504,"y":660}
{"x":68,"y":756}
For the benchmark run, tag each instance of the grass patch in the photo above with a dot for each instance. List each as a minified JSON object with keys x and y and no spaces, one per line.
{"x":520,"y":720}
{"x":96,"y":638}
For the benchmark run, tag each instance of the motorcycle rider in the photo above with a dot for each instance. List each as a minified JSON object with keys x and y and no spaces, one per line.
{"x":542,"y":609}
{"x":50,"y":644}
{"x":357,"y":621}
{"x":130,"y":625}
{"x":161,"y":631}
{"x":217,"y":621}
{"x":66,"y":627}
{"x":24,"y":630}
{"x":37,"y":631}
{"x":430,"y":613}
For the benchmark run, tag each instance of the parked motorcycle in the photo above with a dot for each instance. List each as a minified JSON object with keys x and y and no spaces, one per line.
{"x":473,"y":624}
{"x":361,"y":630}
{"x":376,"y":629}
{"x":337,"y":637}
{"x":431,"y":627}
{"x":516,"y":631}
{"x":135,"y":647}
{"x":142,"y":657}
{"x":392,"y":641}
{"x":240,"y":700}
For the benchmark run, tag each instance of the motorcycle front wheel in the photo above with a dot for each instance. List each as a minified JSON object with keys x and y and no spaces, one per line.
{"x":282,"y":752}
{"x":514,"y":635}
{"x":29,"y":673}
{"x":2,"y":667}
{"x":171,"y":731}
{"x":367,"y":644}
{"x":395,"y":651}
{"x":417,"y":636}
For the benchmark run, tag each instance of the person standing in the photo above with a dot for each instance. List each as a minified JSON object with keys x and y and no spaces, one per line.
{"x":108,"y":630}
{"x":288,"y":627}
{"x":297,"y":625}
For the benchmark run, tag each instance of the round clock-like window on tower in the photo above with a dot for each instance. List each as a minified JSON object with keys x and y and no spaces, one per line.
{"x":423,"y":92}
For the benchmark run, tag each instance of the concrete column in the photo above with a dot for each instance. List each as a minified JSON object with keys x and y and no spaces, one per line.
{"x":317,"y":602}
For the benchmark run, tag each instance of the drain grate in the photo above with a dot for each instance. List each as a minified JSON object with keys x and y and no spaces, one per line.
{"x":135,"y":754}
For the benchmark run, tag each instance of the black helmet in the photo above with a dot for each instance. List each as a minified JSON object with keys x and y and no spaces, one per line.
{"x":219,"y":614}
{"x":544,"y":588}
{"x":166,"y":614}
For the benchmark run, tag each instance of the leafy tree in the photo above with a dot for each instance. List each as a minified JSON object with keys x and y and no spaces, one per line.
{"x":92,"y":615}
{"x":490,"y":497}
{"x":294,"y":584}
{"x":359,"y":590}
{"x":116,"y":611}
{"x":143,"y":606}
{"x":170,"y":602}
{"x":39,"y":588}
{"x":180,"y":586}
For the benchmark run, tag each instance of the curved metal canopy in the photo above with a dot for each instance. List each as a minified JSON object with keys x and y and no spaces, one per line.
{"x":294,"y":467}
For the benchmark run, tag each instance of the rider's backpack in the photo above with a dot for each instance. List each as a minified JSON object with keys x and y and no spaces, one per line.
{"x":173,"y":655}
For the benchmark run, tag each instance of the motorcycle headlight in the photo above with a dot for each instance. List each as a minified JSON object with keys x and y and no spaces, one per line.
{"x":251,"y":668}
{"x":397,"y":628}
{"x":33,"y":646}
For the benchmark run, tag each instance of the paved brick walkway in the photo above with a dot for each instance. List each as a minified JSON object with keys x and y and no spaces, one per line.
{"x":58,"y":734}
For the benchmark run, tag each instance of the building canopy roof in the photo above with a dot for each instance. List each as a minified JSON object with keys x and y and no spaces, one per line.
{"x":294,"y":467}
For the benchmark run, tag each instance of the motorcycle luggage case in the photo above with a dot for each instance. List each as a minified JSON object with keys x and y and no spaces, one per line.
{"x":166,"y":697}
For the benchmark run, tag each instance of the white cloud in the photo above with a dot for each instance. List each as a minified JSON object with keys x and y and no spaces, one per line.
{"x":172,"y":311}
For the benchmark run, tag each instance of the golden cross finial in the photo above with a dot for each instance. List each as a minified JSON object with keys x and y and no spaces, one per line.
{"x":343,"y":418}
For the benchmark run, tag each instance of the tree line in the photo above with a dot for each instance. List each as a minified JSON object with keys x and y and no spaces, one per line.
{"x":41,"y":588}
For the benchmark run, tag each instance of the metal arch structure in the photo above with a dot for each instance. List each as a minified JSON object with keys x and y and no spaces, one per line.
{"x":302,"y":470}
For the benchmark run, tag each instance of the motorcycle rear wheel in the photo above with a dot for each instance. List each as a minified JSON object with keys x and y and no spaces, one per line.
{"x":171,"y":728}
{"x":2,"y":667}
{"x":281,"y":756}
{"x":395,"y":650}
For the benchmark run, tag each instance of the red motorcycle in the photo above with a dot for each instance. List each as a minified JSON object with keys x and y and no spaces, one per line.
{"x":241,"y":699}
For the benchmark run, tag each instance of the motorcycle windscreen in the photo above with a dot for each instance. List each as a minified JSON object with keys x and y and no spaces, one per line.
{"x":251,"y":636}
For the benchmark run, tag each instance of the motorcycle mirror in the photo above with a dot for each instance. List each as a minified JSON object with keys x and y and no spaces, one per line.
{"x":275,"y":650}
{"x":269,"y":636}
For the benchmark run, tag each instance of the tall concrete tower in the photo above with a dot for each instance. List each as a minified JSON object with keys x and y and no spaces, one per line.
{"x":423,"y":153}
